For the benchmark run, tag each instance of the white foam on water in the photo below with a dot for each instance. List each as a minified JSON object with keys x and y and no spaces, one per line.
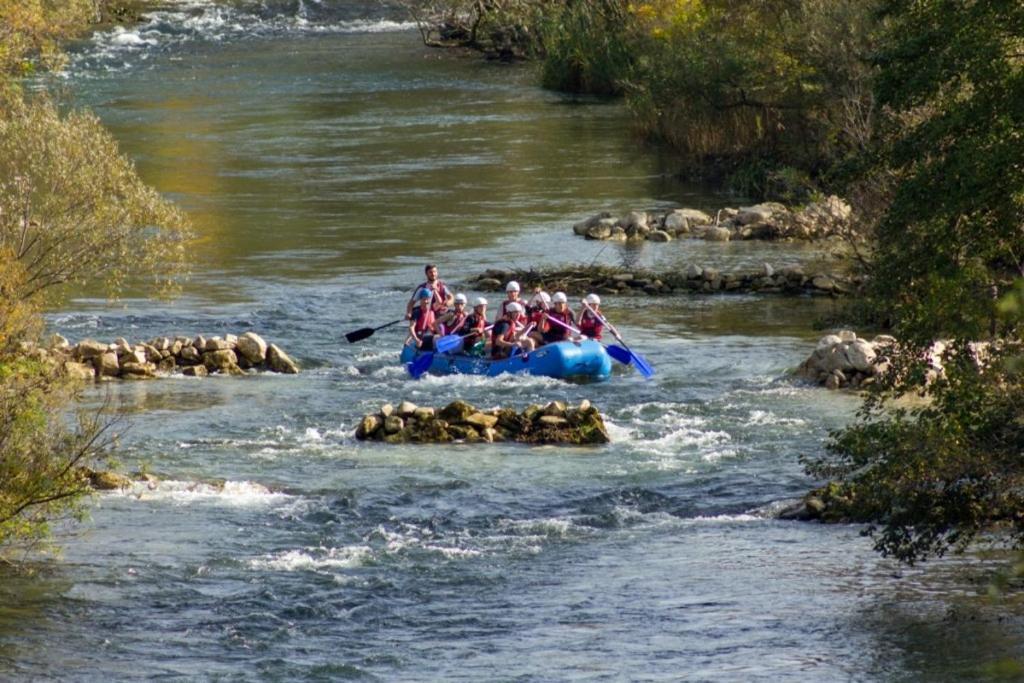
{"x":184,"y":21}
{"x":314,"y":559}
{"x":231,"y":493}
{"x":766,"y":417}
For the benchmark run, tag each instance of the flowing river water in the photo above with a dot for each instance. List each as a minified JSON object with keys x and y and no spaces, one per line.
{"x":326,"y":155}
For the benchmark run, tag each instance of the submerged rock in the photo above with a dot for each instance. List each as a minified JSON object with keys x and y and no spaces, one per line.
{"x":460,"y":421}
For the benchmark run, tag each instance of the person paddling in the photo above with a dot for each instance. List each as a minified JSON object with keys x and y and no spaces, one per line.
{"x":561,"y":312}
{"x":442,"y":296}
{"x":453,"y":320}
{"x":507,"y":333}
{"x":422,"y":325}
{"x":473,"y":328}
{"x":591,"y":324}
{"x":539,"y":305}
{"x":512,"y":297}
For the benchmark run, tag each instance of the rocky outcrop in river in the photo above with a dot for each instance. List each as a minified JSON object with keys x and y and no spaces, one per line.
{"x":581,"y":280}
{"x":844,"y":361}
{"x":767,"y":221}
{"x":555,"y":423}
{"x":231,"y":355}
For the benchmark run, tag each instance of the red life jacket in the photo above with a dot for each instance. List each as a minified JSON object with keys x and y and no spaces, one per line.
{"x":422,"y":322}
{"x":473,"y":328}
{"x":504,"y":304}
{"x":536,"y":316}
{"x":556,"y":332}
{"x":440,"y":291}
{"x":455,"y":324}
{"x":507,"y":335}
{"x":591,"y":325}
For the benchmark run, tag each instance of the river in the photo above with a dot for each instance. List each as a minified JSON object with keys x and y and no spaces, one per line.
{"x":325,"y":155}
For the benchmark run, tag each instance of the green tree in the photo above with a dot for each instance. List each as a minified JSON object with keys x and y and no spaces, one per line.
{"x":948,"y":247}
{"x":73,"y":211}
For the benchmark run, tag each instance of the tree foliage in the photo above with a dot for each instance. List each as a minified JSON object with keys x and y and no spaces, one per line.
{"x":949,"y":245}
{"x":73,"y":211}
{"x":73,"y":208}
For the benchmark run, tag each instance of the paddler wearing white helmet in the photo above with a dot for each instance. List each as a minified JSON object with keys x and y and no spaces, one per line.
{"x":540,"y":302}
{"x":508,"y":332}
{"x":511,"y":296}
{"x":453,"y":320}
{"x":473,"y":341}
{"x":559,"y":313}
{"x":591,"y":319}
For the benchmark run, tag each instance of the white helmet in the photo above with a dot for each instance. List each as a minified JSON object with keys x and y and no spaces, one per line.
{"x":480,"y":301}
{"x":460,"y":298}
{"x":512,"y":286}
{"x":559,"y":298}
{"x":513,"y":308}
{"x":593,"y":299}
{"x":543,"y":297}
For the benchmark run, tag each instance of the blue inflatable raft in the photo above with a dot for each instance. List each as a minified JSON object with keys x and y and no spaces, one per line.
{"x":586,"y":360}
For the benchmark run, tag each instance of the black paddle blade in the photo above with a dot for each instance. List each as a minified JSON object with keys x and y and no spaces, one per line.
{"x":359,"y":335}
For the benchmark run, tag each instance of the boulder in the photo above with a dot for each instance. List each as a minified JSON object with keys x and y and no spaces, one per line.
{"x":278,"y":361}
{"x":481,"y":420}
{"x":693,"y":272}
{"x":861,"y":355}
{"x":138,"y":370}
{"x":153,"y":354}
{"x":555,"y":408}
{"x":107,"y":481}
{"x":754,"y":214}
{"x":618,"y":235}
{"x":79,"y":371}
{"x":582,"y":227}
{"x":189,"y":355}
{"x":828,"y":341}
{"x":406,"y":409}
{"x":58,"y":343}
{"x":220,"y":360}
{"x":677,"y":223}
{"x":106,"y":364}
{"x":393,"y":424}
{"x":823,"y":282}
{"x":368,"y":426}
{"x":456,"y":411}
{"x":252,"y":347}
{"x":195,"y":371}
{"x":425,"y":413}
{"x":693,"y":216}
{"x":553,"y":421}
{"x":718,"y":234}
{"x":598,"y":232}
{"x":659,"y":236}
{"x":87,"y":349}
{"x":386,"y":410}
{"x":217,"y":344}
{"x":634,"y":221}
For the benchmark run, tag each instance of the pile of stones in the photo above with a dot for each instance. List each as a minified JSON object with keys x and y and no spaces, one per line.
{"x":555,"y":423}
{"x":199,"y":356}
{"x":767,"y":221}
{"x":844,"y":361}
{"x":581,"y":280}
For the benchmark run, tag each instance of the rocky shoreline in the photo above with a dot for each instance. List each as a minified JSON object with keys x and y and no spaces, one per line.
{"x":768,"y":221}
{"x":91,"y":360}
{"x":555,"y":423}
{"x":581,"y":280}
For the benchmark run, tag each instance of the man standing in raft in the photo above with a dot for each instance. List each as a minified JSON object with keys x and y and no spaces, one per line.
{"x":590,"y":320}
{"x":422,"y":325}
{"x":442,"y":296}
